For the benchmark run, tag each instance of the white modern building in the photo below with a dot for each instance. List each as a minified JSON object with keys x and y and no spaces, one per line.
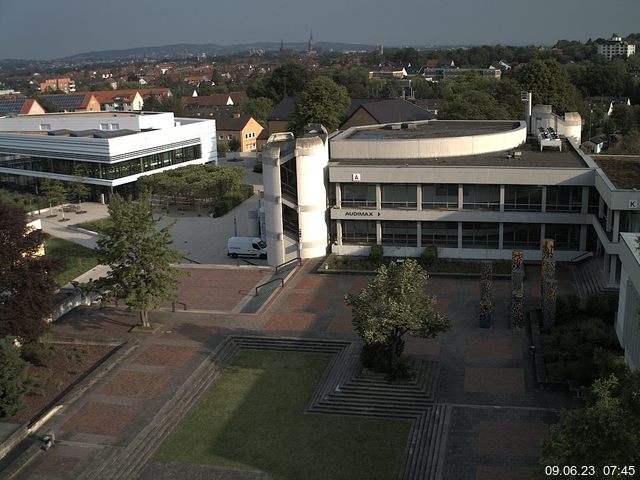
{"x":616,"y":47}
{"x":473,"y":189}
{"x":111,"y":150}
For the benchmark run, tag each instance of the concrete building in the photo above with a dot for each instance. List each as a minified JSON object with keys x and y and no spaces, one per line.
{"x":65,"y":84}
{"x":111,"y":149}
{"x":616,"y":47}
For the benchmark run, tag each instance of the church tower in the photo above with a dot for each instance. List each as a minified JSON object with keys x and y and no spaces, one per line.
{"x":312,"y":45}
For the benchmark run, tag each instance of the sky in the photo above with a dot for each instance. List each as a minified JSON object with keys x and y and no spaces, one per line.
{"x":44,"y":30}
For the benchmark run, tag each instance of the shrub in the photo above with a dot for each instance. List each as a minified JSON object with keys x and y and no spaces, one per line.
{"x":429,"y":256}
{"x":377,"y":254}
{"x":567,"y":308}
{"x":35,"y":353}
{"x":602,"y":306}
{"x":257,"y":168}
{"x":13,"y":377}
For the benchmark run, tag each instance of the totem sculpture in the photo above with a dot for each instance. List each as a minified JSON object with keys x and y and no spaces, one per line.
{"x":517,"y":289}
{"x":548,"y":286}
{"x":486,"y":307}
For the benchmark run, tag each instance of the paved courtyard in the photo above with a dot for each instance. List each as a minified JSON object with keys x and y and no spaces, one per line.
{"x":498,"y":418}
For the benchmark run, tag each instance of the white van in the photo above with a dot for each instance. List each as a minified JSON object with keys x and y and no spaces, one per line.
{"x":249,"y":246}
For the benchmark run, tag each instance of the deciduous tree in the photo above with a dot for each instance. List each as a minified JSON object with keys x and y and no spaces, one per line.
{"x":322,"y":101}
{"x":26,"y":283}
{"x":395,"y":303}
{"x":13,"y":377}
{"x":139,"y":256}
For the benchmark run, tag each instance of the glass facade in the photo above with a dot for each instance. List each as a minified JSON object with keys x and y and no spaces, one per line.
{"x":440,"y":196}
{"x":520,"y":198}
{"x":480,"y":235}
{"x":401,"y":195}
{"x":359,"y":232}
{"x":565,"y":237}
{"x":524,"y":236}
{"x":402,"y":234}
{"x":564,"y":199}
{"x":440,"y":234}
{"x":481,"y":197}
{"x":289,"y":179}
{"x":100,"y":170}
{"x":358,"y":195}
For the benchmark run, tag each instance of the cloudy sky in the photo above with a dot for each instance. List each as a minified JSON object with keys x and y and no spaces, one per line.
{"x":44,"y":30}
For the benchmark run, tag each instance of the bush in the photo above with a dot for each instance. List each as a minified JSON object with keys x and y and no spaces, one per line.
{"x":602,"y":306}
{"x":257,"y":168}
{"x":567,"y":308}
{"x":377,"y":254}
{"x":429,"y":256}
{"x":13,"y":377}
{"x":35,"y":353}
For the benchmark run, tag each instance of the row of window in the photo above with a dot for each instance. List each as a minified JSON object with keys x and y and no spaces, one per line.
{"x":474,"y":234}
{"x":106,"y":171}
{"x":475,"y":197}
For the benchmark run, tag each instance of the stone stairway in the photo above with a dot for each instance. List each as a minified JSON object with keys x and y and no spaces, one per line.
{"x":344,"y":389}
{"x":589,"y":279}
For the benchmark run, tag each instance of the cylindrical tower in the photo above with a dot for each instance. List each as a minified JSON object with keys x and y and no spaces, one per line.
{"x":312,"y":158}
{"x":273,"y":204}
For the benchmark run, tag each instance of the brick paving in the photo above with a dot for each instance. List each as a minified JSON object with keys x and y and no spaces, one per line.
{"x":498,"y":418}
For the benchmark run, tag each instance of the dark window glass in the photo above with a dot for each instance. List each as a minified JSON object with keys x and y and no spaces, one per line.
{"x":480,"y":235}
{"x":440,"y":234}
{"x":440,"y":196}
{"x":399,"y":233}
{"x":481,"y":197}
{"x":564,"y":199}
{"x":521,"y":235}
{"x":358,"y":195}
{"x":358,"y":232}
{"x":565,"y":237}
{"x":520,"y":198}
{"x":399,"y":195}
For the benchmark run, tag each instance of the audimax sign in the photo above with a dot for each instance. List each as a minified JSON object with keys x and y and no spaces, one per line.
{"x":360,"y":213}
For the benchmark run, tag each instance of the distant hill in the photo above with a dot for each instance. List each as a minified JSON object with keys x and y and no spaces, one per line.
{"x":211,"y":49}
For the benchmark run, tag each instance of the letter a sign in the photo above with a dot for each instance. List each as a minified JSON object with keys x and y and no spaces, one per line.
{"x":355,"y":177}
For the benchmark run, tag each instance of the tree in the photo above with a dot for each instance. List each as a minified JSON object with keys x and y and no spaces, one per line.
{"x":55,"y":191}
{"x":258,"y":108}
{"x":234,"y":144}
{"x":604,"y":432}
{"x":26,"y":283}
{"x":286,"y":81}
{"x":139,"y":257}
{"x":13,"y":377}
{"x":322,"y":101}
{"x":549,"y":82}
{"x":78,"y":188}
{"x":393,"y":304}
{"x":354,"y":79}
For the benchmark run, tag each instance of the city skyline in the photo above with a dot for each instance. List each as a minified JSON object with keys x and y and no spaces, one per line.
{"x":121,"y":25}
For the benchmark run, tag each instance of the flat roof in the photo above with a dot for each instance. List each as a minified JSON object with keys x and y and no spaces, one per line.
{"x":432,"y":129}
{"x":622,"y":170}
{"x":531,"y":157}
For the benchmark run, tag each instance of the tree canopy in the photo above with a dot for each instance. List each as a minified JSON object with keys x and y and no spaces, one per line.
{"x":139,"y":256}
{"x":396,"y":302}
{"x":322,"y":101}
{"x":550,"y":84}
{"x":26,"y":282}
{"x":13,"y":377}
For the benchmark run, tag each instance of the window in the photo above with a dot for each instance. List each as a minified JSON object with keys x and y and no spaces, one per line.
{"x":104,"y":126}
{"x":115,"y":126}
{"x":229,"y":137}
{"x":481,"y":197}
{"x":440,"y":234}
{"x":520,"y":198}
{"x":480,"y":235}
{"x":565,"y":237}
{"x":358,"y":232}
{"x":399,"y":233}
{"x":220,"y":137}
{"x":399,"y":195}
{"x":440,"y":196}
{"x":521,"y":235}
{"x":45,"y":127}
{"x":564,"y":199}
{"x":358,"y":195}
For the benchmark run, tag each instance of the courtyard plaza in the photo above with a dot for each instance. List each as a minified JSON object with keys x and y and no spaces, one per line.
{"x":498,"y":419}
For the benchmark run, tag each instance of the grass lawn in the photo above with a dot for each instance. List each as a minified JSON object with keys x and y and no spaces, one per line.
{"x":97,"y":226}
{"x":254,"y":417}
{"x":74,"y":259}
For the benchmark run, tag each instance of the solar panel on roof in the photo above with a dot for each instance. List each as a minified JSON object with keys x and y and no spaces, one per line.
{"x":66,"y":102}
{"x":13,"y":105}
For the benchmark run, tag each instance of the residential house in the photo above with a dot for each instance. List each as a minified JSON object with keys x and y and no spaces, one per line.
{"x":371,"y":111}
{"x":608,"y":103}
{"x":74,"y":102}
{"x":616,"y":47}
{"x":242,"y":128}
{"x":119,"y":100}
{"x":19,"y":106}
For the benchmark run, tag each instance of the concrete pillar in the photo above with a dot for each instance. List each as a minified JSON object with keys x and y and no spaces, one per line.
{"x":378,"y":197}
{"x":459,"y":234}
{"x":419,"y":233}
{"x":585,"y":200}
{"x":609,"y":220}
{"x":339,"y":232}
{"x":501,"y":203}
{"x":542,"y":234}
{"x":273,"y":204}
{"x":613,"y":270}
{"x":600,"y":207}
{"x":625,"y":284}
{"x":500,"y":236}
{"x":544,"y":199}
{"x":583,"y":238}
{"x":460,"y":196}
{"x":605,"y":263}
{"x":616,"y":226}
{"x":378,"y":232}
{"x":419,"y":198}
{"x":338,"y":195}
